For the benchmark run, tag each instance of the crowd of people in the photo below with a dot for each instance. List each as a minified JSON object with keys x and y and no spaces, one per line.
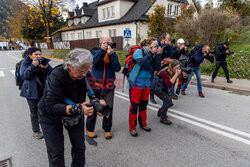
{"x":57,"y":97}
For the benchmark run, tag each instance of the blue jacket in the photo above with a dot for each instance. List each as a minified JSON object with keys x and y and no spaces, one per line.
{"x":198,"y":57}
{"x":142,"y":72}
{"x":28,"y":74}
{"x":99,"y":67}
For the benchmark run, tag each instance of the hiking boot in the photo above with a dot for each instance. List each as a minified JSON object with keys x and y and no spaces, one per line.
{"x":108,"y":135}
{"x":91,"y":134}
{"x":212,"y":80}
{"x":201,"y":95}
{"x":152,"y":100}
{"x":165,"y":121}
{"x":133,"y":133}
{"x":229,"y":81}
{"x":147,"y":129}
{"x":183,"y":92}
{"x":38,"y":135}
{"x":159,"y":113}
{"x":175,"y":97}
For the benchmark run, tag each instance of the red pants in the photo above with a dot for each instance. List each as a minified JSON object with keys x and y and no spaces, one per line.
{"x":138,"y":99}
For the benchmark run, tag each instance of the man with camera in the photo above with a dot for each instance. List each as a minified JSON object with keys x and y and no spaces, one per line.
{"x":105,"y":64}
{"x":33,"y":71}
{"x":64,"y":104}
{"x":197,"y":57}
{"x":221,"y":51}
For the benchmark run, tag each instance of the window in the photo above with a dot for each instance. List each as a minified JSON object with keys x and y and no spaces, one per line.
{"x":176,"y":10}
{"x":114,"y":32}
{"x":103,"y":14}
{"x":98,"y":34}
{"x":88,"y":35}
{"x":169,"y":9}
{"x":63,"y":37}
{"x":113,"y":11}
{"x":108,"y":12}
{"x":67,"y":37}
{"x":79,"y":35}
{"x":72,"y":36}
{"x":110,"y":33}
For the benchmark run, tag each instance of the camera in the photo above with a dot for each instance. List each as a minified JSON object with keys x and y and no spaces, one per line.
{"x":230,"y":52}
{"x":187,"y":45}
{"x":112,"y":45}
{"x":43,"y":61}
{"x":172,"y":40}
{"x":105,"y":110}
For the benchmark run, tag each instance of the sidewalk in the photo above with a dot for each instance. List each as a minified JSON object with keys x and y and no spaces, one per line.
{"x":239,"y":86}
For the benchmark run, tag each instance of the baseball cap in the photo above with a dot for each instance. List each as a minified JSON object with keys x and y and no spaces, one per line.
{"x":180,"y":41}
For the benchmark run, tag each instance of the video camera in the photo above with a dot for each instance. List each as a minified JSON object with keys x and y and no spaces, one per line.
{"x":105,"y":110}
{"x":43,"y":61}
{"x":112,"y":45}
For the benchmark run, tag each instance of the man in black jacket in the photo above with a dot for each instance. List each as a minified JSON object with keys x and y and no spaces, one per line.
{"x":64,"y":99}
{"x":221,"y":52}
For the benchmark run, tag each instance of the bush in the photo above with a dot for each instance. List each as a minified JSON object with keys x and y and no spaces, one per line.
{"x":210,"y":27}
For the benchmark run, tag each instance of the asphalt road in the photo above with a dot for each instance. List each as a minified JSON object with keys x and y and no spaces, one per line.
{"x":209,"y":132}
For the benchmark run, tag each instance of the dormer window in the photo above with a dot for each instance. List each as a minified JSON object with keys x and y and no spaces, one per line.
{"x":103,"y":14}
{"x":112,"y":11}
{"x":70,"y":22}
{"x":108,"y":12}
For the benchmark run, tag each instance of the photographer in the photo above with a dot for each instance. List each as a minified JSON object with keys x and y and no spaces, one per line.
{"x":220,"y":53}
{"x":34,"y":73}
{"x":167,"y":46}
{"x":66,"y":84}
{"x":105,"y":64}
{"x":195,"y":60}
{"x":140,"y":82}
{"x":166,"y":78}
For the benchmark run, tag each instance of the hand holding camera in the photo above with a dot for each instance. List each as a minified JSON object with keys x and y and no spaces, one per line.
{"x":110,"y":50}
{"x":87,"y":109}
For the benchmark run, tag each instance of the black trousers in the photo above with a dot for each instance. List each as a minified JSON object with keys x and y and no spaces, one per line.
{"x":217,"y":67}
{"x":54,"y":140}
{"x":167,"y":102}
{"x":33,"y":114}
{"x":107,"y":122}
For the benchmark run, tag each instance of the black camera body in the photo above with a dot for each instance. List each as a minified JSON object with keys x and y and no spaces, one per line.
{"x":105,"y":110}
{"x":172,"y":40}
{"x":187,"y":45}
{"x":112,"y":45}
{"x":43,"y":61}
{"x":230,"y":52}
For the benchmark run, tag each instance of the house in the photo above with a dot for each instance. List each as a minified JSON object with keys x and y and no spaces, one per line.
{"x":112,"y":17}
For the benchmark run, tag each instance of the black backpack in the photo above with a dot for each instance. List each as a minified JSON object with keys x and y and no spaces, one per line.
{"x":19,"y":80}
{"x":195,"y":48}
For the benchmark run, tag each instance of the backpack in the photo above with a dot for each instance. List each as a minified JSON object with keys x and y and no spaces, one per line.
{"x":19,"y":80}
{"x":195,"y":48}
{"x":129,"y":62}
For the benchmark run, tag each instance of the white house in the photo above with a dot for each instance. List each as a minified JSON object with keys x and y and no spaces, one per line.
{"x":112,"y":17}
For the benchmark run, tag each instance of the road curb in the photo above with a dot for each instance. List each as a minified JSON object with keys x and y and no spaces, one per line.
{"x":223,"y":87}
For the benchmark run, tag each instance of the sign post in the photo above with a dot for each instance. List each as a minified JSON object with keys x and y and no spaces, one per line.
{"x":127,"y":36}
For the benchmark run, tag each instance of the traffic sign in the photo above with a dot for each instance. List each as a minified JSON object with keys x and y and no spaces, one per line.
{"x":127,"y":33}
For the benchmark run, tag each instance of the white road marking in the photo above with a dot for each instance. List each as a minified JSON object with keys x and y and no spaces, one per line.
{"x":193,"y":122}
{"x":1,"y":74}
{"x":13,"y":57}
{"x":235,"y":131}
{"x":13,"y":72}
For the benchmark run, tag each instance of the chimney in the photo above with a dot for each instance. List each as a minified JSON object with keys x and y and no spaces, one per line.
{"x":85,"y":4}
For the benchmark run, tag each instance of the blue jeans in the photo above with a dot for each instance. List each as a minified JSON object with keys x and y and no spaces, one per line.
{"x":197,"y":72}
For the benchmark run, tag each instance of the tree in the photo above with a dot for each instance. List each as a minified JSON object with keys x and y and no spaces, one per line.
{"x":241,"y":7}
{"x":158,"y":24}
{"x":210,"y":27}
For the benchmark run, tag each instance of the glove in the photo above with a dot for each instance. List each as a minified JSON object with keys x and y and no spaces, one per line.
{"x":76,"y":109}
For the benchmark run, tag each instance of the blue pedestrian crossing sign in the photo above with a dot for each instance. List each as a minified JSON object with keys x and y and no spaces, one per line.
{"x":127,"y":33}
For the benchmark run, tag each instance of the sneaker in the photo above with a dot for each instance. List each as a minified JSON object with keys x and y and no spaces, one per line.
{"x":183,"y":92}
{"x":91,"y":134}
{"x":229,"y":81}
{"x":165,"y":121}
{"x":175,"y":97}
{"x":212,"y":80}
{"x":133,"y":133}
{"x":201,"y":95}
{"x":152,"y":100}
{"x":108,"y":135}
{"x":146,"y":128}
{"x":38,"y":135}
{"x":159,"y":111}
